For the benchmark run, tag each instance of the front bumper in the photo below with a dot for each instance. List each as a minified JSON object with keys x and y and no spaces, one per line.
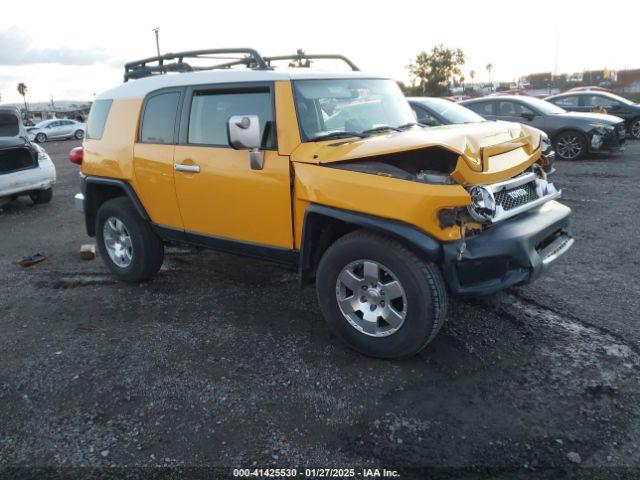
{"x":612,"y":141}
{"x":509,"y":253}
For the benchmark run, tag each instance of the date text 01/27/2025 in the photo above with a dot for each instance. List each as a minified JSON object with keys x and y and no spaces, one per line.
{"x":315,"y":473}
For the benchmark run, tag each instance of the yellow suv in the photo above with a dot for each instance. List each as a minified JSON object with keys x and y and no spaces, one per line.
{"x":327,"y":173}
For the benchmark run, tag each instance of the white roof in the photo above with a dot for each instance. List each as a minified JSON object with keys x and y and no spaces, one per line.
{"x":140,"y":88}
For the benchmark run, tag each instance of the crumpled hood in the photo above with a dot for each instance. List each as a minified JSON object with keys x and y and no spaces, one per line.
{"x":467,"y":140}
{"x":593,"y":117}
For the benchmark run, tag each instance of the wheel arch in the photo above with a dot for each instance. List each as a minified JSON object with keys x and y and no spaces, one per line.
{"x":98,"y":190}
{"x":324,"y":225}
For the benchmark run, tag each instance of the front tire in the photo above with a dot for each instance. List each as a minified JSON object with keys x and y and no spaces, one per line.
{"x":127,"y":244}
{"x":379,"y":297}
{"x":570,"y":145}
{"x":634,"y":129}
{"x":41,"y":196}
{"x":41,"y":138}
{"x":79,"y":135}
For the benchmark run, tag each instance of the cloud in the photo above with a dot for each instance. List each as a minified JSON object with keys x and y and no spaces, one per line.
{"x":17,"y":50}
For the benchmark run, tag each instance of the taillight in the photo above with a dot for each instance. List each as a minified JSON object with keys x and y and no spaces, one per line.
{"x":75,"y":155}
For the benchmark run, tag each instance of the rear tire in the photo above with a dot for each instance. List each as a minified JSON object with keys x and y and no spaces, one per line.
{"x":412,"y":289}
{"x":570,"y":145}
{"x":127,"y":244}
{"x":41,"y":196}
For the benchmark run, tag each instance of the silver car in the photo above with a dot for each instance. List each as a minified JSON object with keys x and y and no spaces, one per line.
{"x":56,"y":129}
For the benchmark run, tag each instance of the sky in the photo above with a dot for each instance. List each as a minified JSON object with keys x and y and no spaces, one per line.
{"x":76,"y":52}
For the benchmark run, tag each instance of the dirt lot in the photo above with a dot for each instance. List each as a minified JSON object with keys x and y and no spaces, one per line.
{"x":223,"y":362}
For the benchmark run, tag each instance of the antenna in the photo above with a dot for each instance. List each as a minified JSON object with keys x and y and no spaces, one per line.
{"x":156,"y":31}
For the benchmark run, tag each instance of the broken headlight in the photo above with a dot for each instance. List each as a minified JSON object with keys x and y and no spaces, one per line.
{"x":483,"y":203}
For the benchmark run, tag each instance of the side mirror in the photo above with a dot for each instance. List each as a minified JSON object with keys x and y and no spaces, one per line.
{"x":527,"y":116}
{"x":244,"y":134}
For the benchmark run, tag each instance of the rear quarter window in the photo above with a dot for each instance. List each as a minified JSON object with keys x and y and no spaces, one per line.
{"x":159,"y":120}
{"x":98,"y":118}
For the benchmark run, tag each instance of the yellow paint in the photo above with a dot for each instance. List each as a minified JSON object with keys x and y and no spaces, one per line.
{"x":228,"y":199}
{"x":286,"y":119}
{"x":155,"y":183}
{"x":415,"y":203}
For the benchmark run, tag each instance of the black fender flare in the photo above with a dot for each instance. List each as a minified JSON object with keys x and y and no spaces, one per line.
{"x":417,"y":240}
{"x":90,"y":202}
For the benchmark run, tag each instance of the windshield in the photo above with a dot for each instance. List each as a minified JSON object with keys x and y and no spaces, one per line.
{"x":9,"y":125}
{"x":451,"y":111}
{"x":546,"y":108}
{"x":42,"y":124}
{"x":349,"y":105}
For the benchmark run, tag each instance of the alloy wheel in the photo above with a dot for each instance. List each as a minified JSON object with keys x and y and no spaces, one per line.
{"x":117,"y":242}
{"x":371,"y":298}
{"x":635,"y":129}
{"x":569,"y":147}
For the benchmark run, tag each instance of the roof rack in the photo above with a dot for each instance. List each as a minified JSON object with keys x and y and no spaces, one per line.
{"x":141,"y":69}
{"x":303,"y":56}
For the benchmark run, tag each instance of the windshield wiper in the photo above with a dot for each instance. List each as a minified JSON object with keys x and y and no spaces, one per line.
{"x":381,"y":128}
{"x":340,"y":134}
{"x":411,"y":124}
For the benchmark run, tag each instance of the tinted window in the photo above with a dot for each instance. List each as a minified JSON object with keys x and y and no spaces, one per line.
{"x":211,"y":111}
{"x":599,"y":101}
{"x":481,"y":108}
{"x":512,"y":109}
{"x":8,"y":125}
{"x":571,"y":101}
{"x":452,"y":112}
{"x":424,"y":117}
{"x":159,"y":121}
{"x":98,"y":118}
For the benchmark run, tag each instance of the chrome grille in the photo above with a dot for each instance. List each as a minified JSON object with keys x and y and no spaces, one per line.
{"x":511,"y":198}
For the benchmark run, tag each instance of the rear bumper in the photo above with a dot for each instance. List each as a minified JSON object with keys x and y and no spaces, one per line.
{"x":509,"y":253}
{"x":42,"y":177}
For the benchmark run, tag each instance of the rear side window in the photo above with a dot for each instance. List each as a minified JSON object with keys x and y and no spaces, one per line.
{"x":159,"y":121}
{"x":211,"y":111}
{"x":481,"y":108}
{"x":98,"y":118}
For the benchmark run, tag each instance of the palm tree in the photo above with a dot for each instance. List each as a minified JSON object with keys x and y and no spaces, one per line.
{"x":22,"y":90}
{"x":472,"y":74}
{"x":489,"y":69}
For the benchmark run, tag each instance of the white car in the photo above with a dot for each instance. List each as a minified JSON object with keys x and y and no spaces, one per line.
{"x":25,"y":167}
{"x":56,"y":129}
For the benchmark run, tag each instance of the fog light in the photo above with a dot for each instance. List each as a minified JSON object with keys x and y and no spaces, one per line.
{"x":483,"y":204}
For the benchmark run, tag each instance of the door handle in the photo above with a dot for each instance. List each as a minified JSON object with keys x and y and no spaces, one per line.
{"x":186,"y":168}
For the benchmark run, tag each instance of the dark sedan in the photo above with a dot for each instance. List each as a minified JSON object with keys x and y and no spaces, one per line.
{"x":435,"y":111}
{"x":573,"y":133}
{"x":589,"y":101}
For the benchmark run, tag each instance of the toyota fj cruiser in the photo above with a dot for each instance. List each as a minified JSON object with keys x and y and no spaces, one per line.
{"x":328,"y":173}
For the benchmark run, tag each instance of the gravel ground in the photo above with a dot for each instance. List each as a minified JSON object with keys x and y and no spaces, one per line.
{"x":222,"y":362}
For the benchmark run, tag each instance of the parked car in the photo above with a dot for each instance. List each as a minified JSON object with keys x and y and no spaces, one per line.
{"x":56,"y":129}
{"x":588,"y":101}
{"x":573,"y":134}
{"x":25,"y":168}
{"x":387,"y":217}
{"x":435,"y":111}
